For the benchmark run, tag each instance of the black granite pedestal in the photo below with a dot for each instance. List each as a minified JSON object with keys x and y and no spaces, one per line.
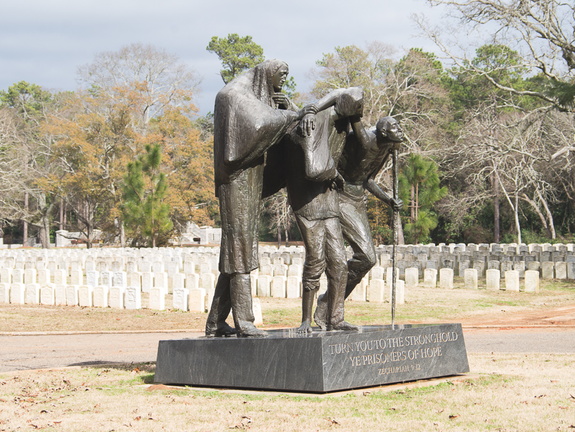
{"x":319,"y":362}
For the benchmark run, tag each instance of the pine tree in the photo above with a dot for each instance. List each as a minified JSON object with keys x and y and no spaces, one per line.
{"x":146,"y":216}
{"x":419,"y":188}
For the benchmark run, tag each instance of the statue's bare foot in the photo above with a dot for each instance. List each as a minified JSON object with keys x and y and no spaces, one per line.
{"x":305,"y":327}
{"x":251,"y":331}
{"x":344,"y":325}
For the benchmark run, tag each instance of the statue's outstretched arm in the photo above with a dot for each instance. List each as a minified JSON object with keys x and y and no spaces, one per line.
{"x":380,"y":194}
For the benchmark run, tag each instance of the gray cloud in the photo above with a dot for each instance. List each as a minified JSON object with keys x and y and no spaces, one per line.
{"x":44,"y":42}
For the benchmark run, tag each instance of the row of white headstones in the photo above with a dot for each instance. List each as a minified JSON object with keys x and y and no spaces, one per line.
{"x":185,"y":278}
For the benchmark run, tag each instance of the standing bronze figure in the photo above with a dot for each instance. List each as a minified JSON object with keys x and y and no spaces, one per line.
{"x":312,"y":182}
{"x":363,"y":156}
{"x":250,"y":116}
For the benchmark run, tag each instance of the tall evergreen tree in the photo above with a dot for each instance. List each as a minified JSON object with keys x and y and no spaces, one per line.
{"x":419,"y":188}
{"x":146,"y":216}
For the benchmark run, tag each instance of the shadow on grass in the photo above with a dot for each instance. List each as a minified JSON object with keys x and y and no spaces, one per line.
{"x":140,"y":368}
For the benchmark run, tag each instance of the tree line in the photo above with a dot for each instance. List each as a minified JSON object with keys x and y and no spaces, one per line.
{"x":125,"y":159}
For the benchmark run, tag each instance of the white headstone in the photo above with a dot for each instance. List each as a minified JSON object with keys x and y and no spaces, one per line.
{"x":158,"y":267}
{"x":400,"y":292}
{"x":178,"y":280}
{"x":492,"y":281}
{"x":90,"y":265}
{"x":30,"y":276}
{"x":133,"y":298}
{"x":60,"y":292}
{"x":295,"y":270}
{"x":106,"y":278}
{"x":560,"y":270}
{"x":32,"y":293}
{"x":278,"y":288}
{"x":264,"y":285}
{"x":266,"y":270}
{"x":101,"y":296}
{"x":147,"y":281}
{"x":430,"y":277}
{"x":60,"y":277}
{"x":17,"y":276}
{"x":446,"y":278}
{"x":512,"y":280}
{"x":470,"y":278}
{"x":145,"y":266}
{"x":17,"y":293}
{"x":47,"y":294}
{"x":293,"y":287}
{"x":180,"y":298}
{"x":157,"y":299}
{"x":377,"y":272}
{"x":376,"y":291}
{"x":531,"y":281}
{"x":85,"y":296}
{"x":547,"y":270}
{"x":72,"y":295}
{"x":412,"y":277}
{"x":280,"y":270}
{"x":119,"y":279}
{"x":76,"y":277}
{"x":197,"y":300}
{"x":297,"y":260}
{"x":6,"y":275}
{"x":43,"y":276}
{"x":116,"y":297}
{"x":92,"y":278}
{"x":359,"y":292}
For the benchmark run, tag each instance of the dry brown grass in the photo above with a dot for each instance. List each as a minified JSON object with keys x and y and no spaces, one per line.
{"x":524,"y":393}
{"x":508,"y":392}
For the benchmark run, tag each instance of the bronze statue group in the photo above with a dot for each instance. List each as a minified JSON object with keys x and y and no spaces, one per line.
{"x":325,"y":158}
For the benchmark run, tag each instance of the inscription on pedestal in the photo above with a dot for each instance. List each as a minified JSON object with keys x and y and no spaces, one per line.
{"x":388,"y":356}
{"x":320,"y":362}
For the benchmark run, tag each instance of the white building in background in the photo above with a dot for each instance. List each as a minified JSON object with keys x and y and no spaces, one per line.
{"x":193,"y":234}
{"x":205,"y":235}
{"x":67,"y":239}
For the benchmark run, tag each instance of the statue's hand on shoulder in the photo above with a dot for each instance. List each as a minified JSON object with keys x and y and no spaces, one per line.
{"x":307,"y":123}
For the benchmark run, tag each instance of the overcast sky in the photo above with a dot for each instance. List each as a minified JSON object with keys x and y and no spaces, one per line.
{"x":45,"y":41}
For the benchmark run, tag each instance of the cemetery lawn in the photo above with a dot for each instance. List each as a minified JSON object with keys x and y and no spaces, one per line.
{"x":505,"y":392}
{"x":553,"y":305}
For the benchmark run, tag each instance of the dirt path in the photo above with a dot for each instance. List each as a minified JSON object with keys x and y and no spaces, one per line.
{"x":56,"y":350}
{"x":562,"y":317}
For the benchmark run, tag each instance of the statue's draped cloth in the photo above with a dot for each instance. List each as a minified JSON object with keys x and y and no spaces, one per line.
{"x":246,"y":125}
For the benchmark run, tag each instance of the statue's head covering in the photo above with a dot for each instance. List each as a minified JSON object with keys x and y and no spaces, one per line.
{"x":262,"y":84}
{"x":246,"y":122}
